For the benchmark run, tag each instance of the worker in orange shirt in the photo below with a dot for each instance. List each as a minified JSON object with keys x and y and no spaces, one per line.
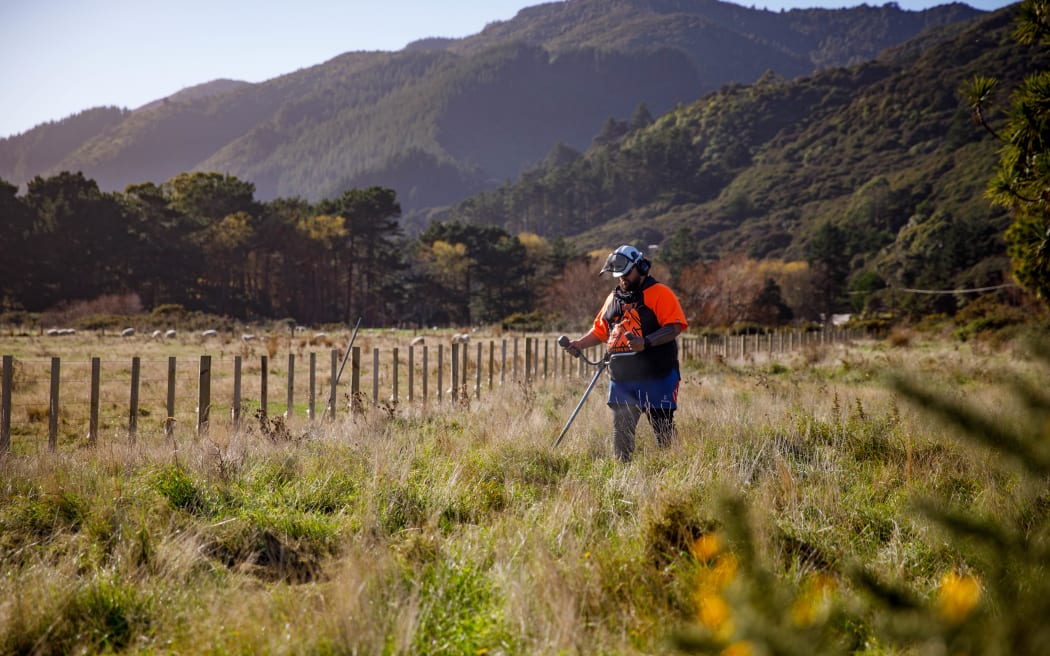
{"x":640,"y":316}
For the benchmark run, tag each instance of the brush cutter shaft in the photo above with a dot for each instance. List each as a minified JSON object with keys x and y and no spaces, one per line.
{"x":601,"y":367}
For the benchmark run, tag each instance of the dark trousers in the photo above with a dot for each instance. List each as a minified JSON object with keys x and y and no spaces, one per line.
{"x":625,"y":424}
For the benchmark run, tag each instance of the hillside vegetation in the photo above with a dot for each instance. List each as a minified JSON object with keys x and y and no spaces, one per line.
{"x":884,"y":154}
{"x":445,"y":118}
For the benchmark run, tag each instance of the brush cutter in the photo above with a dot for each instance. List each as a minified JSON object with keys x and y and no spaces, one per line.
{"x":602,"y":364}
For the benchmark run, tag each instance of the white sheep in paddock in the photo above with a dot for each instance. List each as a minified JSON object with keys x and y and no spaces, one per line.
{"x":418,"y":341}
{"x":247,"y":337}
{"x":460,"y":338}
{"x":170,"y":334}
{"x":210,"y":333}
{"x":127,"y":332}
{"x":156,"y":334}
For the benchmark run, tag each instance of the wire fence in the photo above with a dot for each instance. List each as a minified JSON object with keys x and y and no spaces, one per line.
{"x":70,"y":400}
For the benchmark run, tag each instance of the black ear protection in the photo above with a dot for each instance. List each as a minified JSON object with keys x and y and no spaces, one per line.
{"x":643,"y":266}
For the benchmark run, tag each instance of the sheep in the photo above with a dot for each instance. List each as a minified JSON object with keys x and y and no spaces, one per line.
{"x":210,"y":333}
{"x":127,"y":332}
{"x":247,"y":337}
{"x":418,"y":341}
{"x":53,"y":332}
{"x":156,"y":334}
{"x":460,"y":338}
{"x":170,"y":334}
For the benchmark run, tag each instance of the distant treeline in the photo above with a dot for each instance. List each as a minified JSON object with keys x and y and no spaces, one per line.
{"x":202,"y":241}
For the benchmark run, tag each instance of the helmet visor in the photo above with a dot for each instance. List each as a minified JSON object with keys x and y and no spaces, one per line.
{"x":618,"y":264}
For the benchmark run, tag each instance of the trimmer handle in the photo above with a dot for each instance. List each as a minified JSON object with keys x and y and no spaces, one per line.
{"x":564,"y":342}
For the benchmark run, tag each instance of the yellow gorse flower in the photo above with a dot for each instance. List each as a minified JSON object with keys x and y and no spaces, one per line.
{"x":717,"y":570}
{"x":739,"y":648}
{"x":957,"y":596}
{"x":814,"y":600}
{"x":706,"y":547}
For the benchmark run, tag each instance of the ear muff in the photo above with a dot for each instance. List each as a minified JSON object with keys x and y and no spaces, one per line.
{"x":643,"y":266}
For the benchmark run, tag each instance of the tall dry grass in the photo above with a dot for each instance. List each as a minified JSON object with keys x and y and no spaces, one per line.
{"x":461,"y":531}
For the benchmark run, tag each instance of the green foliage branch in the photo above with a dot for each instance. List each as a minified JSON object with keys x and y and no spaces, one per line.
{"x":1022,"y":181}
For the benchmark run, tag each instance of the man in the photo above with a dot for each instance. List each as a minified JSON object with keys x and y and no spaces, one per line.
{"x":642,"y":317}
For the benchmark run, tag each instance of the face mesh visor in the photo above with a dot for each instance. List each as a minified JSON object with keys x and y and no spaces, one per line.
{"x":618,"y":263}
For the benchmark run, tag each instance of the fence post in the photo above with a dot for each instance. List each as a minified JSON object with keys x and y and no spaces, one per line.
{"x":477,"y":382}
{"x":455,"y":372}
{"x":133,"y":405}
{"x":394,"y":372}
{"x":6,"y":385}
{"x":425,"y":375}
{"x":313,"y":386}
{"x":515,"y":358}
{"x":52,"y":420}
{"x":440,"y":369}
{"x":235,"y":411}
{"x":463,"y":369}
{"x":355,"y":378}
{"x":492,"y":360}
{"x":290,"y":404}
{"x":204,"y":395}
{"x":169,"y":422}
{"x":528,"y":359}
{"x":96,"y":379}
{"x":375,"y":376}
{"x":264,"y":392}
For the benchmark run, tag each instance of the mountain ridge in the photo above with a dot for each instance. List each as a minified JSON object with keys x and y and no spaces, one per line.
{"x":358,"y":116}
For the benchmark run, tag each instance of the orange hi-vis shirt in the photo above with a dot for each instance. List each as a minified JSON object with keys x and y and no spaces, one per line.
{"x":641,"y":312}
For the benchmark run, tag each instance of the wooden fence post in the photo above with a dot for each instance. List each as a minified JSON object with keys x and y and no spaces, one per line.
{"x":204,"y":395}
{"x":169,"y":421}
{"x":96,"y":381}
{"x":395,"y":381}
{"x":6,"y":388}
{"x":492,"y":361}
{"x":264,"y":392}
{"x":133,"y":404}
{"x":477,"y":382}
{"x":355,"y":378}
{"x":290,"y":403}
{"x":455,"y":372}
{"x":426,"y":375}
{"x":375,"y":376}
{"x":235,"y":410}
{"x":528,"y":359}
{"x":440,"y":369}
{"x":515,"y":365}
{"x":52,"y":420}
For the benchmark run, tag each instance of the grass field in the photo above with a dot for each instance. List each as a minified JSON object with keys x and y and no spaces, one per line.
{"x":868,"y":498}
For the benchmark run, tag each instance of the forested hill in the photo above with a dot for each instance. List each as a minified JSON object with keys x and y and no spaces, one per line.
{"x":882,"y":157}
{"x":445,"y":118}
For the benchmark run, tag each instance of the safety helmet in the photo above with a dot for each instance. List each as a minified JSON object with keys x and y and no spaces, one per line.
{"x":622,"y":260}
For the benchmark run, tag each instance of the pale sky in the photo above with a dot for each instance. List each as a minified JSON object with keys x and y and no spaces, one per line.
{"x":61,"y":57}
